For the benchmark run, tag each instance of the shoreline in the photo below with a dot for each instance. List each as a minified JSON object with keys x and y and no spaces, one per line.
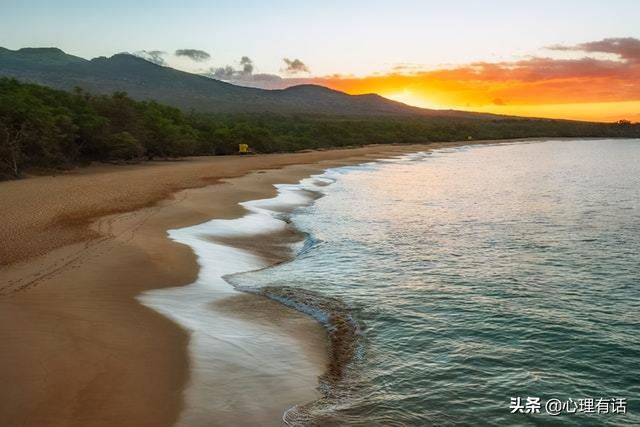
{"x":231,"y":342}
{"x":76,"y":357}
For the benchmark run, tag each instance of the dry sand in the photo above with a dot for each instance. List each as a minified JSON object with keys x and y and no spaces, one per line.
{"x":77,"y":347}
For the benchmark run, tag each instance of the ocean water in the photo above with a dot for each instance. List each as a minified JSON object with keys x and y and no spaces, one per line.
{"x":455,"y":280}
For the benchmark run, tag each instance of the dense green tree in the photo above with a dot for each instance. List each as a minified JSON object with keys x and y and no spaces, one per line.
{"x":124,"y":146}
{"x":45,"y":128}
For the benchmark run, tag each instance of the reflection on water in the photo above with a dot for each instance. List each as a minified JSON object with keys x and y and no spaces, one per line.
{"x":479,"y":274}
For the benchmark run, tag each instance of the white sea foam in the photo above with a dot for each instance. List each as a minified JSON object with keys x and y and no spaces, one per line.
{"x":248,"y":352}
{"x":253,"y":357}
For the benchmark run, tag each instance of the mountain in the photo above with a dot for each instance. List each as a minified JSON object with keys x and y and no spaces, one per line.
{"x":143,"y":80}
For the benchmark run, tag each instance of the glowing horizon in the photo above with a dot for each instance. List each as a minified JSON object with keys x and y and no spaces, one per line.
{"x":595,"y":81}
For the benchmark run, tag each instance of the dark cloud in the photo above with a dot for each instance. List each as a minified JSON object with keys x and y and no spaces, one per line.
{"x":295,"y":66}
{"x":627,"y":48}
{"x":537,"y":69}
{"x":221,"y":73}
{"x":247,"y":65}
{"x":229,"y":73}
{"x":194,"y":54}
{"x":155,"y":56}
{"x":243,"y":75}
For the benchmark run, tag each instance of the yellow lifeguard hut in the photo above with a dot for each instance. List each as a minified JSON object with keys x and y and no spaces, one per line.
{"x":243,"y":148}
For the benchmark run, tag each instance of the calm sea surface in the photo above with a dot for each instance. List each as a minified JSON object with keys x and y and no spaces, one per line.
{"x":476,"y":275}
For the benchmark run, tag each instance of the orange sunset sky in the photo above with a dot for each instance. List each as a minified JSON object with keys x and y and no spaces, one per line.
{"x":595,"y":81}
{"x":586,"y":88}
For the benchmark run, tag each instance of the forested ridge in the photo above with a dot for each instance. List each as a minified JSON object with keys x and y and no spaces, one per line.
{"x":46,"y":128}
{"x":144,"y":80}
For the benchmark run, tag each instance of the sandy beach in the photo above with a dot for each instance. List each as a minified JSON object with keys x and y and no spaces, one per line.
{"x":79,"y":248}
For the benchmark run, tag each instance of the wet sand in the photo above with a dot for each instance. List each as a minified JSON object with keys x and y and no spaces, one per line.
{"x":77,"y":249}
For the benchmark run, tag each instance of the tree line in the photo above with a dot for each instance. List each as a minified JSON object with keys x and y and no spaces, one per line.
{"x":46,"y":128}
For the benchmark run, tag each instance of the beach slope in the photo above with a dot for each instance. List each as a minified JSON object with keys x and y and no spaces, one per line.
{"x":79,"y":247}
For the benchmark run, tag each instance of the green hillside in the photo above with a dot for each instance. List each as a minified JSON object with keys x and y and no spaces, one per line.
{"x":42,"y":127}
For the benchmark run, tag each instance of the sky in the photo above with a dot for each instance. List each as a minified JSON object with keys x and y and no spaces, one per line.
{"x":566,"y":59}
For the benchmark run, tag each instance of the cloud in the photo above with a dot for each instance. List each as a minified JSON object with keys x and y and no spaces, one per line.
{"x":243,"y":74}
{"x":295,"y":66}
{"x":221,"y":73}
{"x":626,"y":48}
{"x":194,"y":54}
{"x":247,"y":65}
{"x":540,"y":68}
{"x":155,"y":56}
{"x":229,"y":73}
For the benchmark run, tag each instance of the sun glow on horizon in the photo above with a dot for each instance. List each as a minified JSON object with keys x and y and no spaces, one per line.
{"x":412,"y":99}
{"x":593,"y":111}
{"x":590,"y":87}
